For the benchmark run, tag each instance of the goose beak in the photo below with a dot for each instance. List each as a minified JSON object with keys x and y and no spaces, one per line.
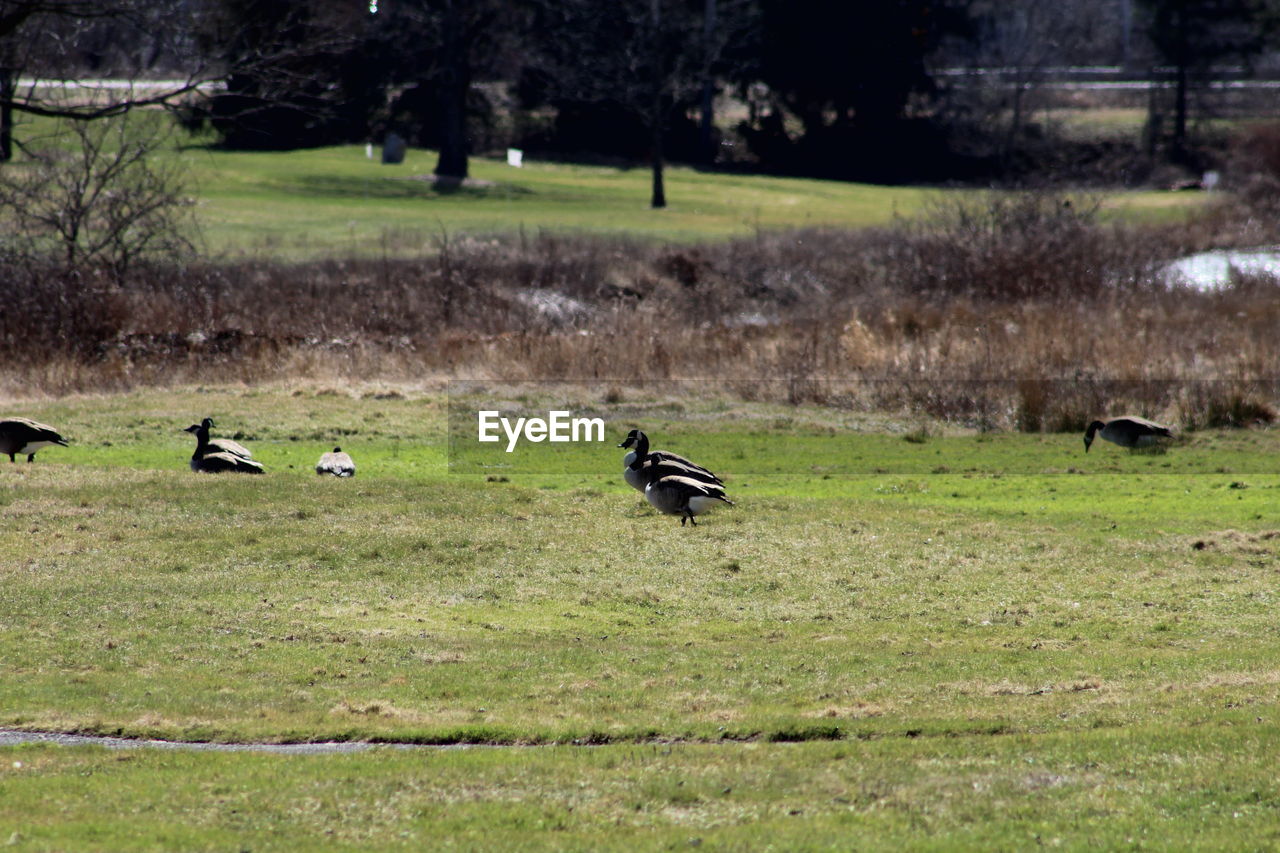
{"x":1087,"y":442}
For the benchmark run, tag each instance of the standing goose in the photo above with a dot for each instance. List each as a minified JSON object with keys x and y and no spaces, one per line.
{"x":636,"y":476}
{"x":206,"y":445}
{"x":22,"y":435}
{"x":1127,"y":431}
{"x":337,"y":463}
{"x":682,"y":496}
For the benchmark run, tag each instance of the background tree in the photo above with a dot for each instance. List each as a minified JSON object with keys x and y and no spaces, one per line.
{"x":295,"y":73}
{"x":48,"y":41}
{"x":849,"y":73}
{"x":433,"y":52}
{"x":643,"y":61}
{"x":1009,"y":50}
{"x":1191,"y":36}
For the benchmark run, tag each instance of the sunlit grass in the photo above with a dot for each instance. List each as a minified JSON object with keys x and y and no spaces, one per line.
{"x":985,"y":638}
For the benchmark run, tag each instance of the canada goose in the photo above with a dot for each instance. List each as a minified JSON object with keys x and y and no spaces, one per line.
{"x":1127,"y":431}
{"x":22,"y":435}
{"x":206,"y":445}
{"x":682,"y":496}
{"x":337,"y":463}
{"x":218,"y":462}
{"x":636,"y":476}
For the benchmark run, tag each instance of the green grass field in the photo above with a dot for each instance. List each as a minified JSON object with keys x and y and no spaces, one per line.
{"x":898,"y":637}
{"x":335,"y":201}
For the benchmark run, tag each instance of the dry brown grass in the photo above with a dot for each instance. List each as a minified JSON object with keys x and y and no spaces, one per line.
{"x":1018,"y":312}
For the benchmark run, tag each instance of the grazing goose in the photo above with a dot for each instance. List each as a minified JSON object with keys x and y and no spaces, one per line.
{"x":682,"y":496}
{"x":206,"y":445}
{"x":635,"y":474}
{"x":1127,"y":431}
{"x":218,"y":462}
{"x":22,"y":435}
{"x":337,"y":463}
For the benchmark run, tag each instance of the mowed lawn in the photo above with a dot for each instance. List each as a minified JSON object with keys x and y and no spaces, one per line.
{"x":898,"y":637}
{"x":335,"y":201}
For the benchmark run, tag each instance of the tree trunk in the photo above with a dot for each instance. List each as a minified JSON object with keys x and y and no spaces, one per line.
{"x":659,"y":197}
{"x":1180,"y":96}
{"x":659,"y":193}
{"x":8,"y":87}
{"x":453,"y":137}
{"x":456,"y":81}
{"x":706,"y":140}
{"x":1180,"y":108}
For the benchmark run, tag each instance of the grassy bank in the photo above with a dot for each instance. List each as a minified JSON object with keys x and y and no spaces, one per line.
{"x":990,"y":651}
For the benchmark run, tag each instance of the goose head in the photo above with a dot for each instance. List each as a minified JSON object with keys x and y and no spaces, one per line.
{"x":641,"y":453}
{"x":1090,"y":432}
{"x":632,"y":437}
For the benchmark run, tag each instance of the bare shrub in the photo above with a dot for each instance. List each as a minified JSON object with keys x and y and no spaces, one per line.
{"x":943,"y":320}
{"x":96,"y":197}
{"x":1014,"y":246}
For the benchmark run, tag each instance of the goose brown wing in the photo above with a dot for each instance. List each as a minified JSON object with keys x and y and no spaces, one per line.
{"x":701,"y":473}
{"x":668,"y":468}
{"x":219,"y":462}
{"x":687,"y":487}
{"x":26,"y":431}
{"x":226,"y":445}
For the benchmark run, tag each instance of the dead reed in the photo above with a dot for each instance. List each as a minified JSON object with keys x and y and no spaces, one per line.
{"x":1023,"y":312}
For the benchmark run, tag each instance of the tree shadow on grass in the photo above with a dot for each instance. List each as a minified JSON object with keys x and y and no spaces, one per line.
{"x":415,"y":187}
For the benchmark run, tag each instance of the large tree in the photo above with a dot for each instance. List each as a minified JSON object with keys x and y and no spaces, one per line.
{"x":641,"y":60}
{"x":849,"y":72}
{"x":434,"y":51}
{"x":293,"y":72}
{"x":1192,"y":36}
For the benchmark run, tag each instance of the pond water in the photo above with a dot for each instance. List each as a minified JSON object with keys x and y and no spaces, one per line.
{"x":1212,"y":270}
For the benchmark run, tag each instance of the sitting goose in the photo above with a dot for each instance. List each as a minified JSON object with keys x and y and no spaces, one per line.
{"x":636,"y":476}
{"x":219,"y":454}
{"x":1127,"y":431}
{"x":23,"y":435}
{"x":206,"y":445}
{"x":679,"y":495}
{"x":337,"y":463}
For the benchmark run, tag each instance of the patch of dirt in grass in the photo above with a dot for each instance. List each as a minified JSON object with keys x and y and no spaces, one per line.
{"x":856,"y":711}
{"x":1266,"y":542}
